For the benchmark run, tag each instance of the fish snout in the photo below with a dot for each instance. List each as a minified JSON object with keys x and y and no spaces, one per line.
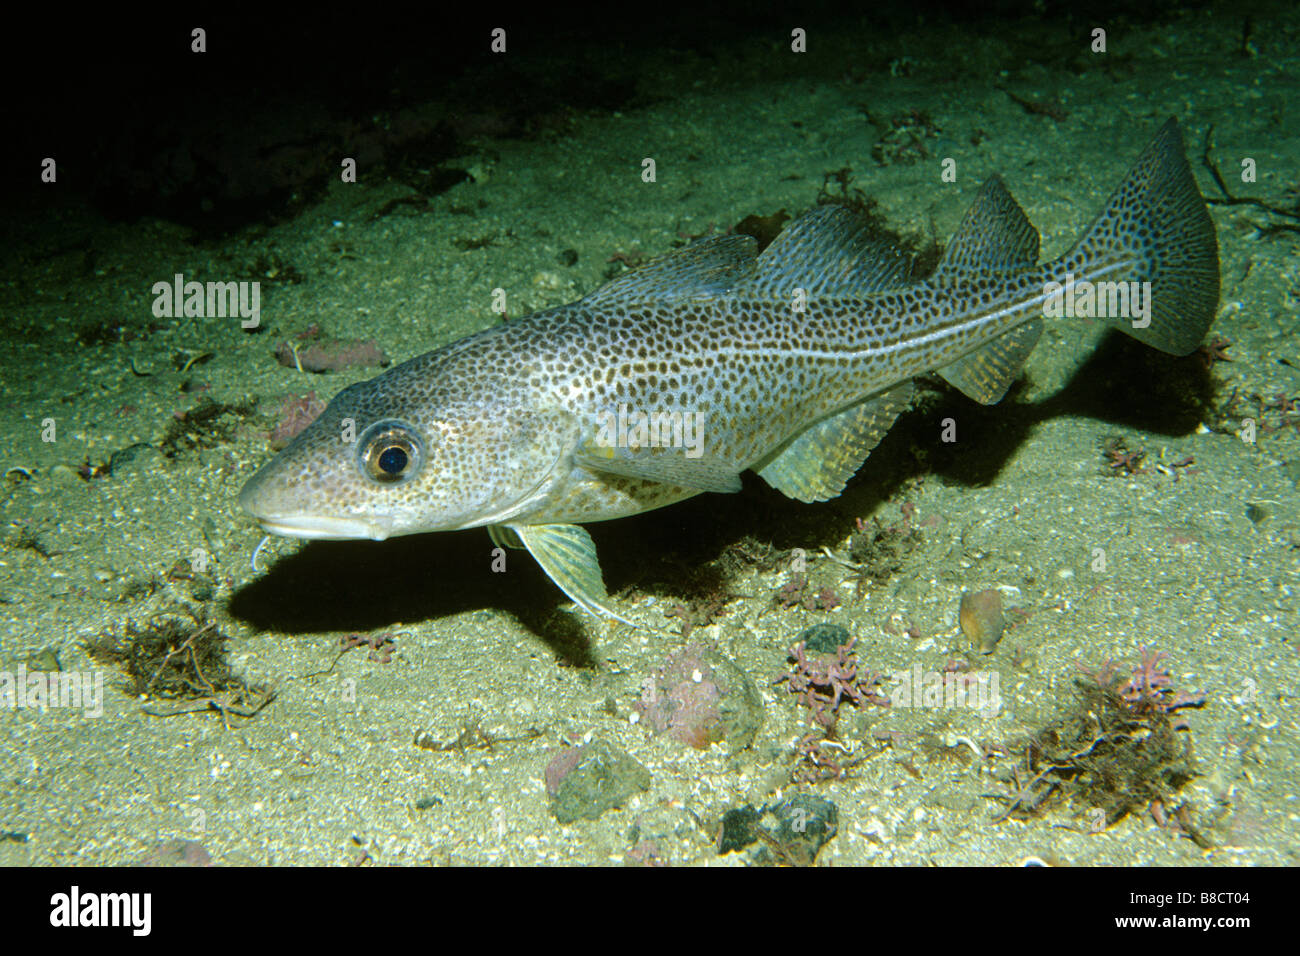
{"x":263,"y":499}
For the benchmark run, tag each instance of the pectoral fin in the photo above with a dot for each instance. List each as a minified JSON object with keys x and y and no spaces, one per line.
{"x":665,"y":466}
{"x":568,"y":556}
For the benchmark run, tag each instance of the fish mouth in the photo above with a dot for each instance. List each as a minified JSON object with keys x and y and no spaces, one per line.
{"x":321,"y":527}
{"x":281,"y":518}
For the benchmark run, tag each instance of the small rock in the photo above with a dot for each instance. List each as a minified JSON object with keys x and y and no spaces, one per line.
{"x":140,"y":458}
{"x":177,"y":853}
{"x":46,"y":659}
{"x":296,"y":413}
{"x":739,"y":829}
{"x":795,"y":829}
{"x":824,"y":638}
{"x":586,"y":781}
{"x":803,"y":825}
{"x":644,"y":853}
{"x":699,"y":698}
{"x":203,"y":587}
{"x":331,"y":355}
{"x":63,"y":475}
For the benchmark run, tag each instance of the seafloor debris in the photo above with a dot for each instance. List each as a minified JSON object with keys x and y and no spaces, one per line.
{"x":763,"y":228}
{"x":827,"y":672}
{"x":181,"y":659}
{"x":877,"y":552}
{"x":206,"y":425}
{"x":825,"y":681}
{"x":1050,"y":108}
{"x":706,"y":592}
{"x":1120,"y":459}
{"x":905,"y":138}
{"x":797,"y":592}
{"x":1115,"y":750}
{"x":471,"y":736}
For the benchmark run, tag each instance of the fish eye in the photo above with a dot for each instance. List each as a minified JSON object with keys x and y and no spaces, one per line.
{"x":390,"y":452}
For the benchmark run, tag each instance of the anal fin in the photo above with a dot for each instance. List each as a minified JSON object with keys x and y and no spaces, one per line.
{"x":985,"y":374}
{"x":817,"y":464}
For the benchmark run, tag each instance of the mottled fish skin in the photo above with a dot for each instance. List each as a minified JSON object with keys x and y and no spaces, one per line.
{"x":500,"y":428}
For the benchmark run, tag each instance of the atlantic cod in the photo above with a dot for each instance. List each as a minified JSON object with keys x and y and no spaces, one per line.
{"x":793,"y":362}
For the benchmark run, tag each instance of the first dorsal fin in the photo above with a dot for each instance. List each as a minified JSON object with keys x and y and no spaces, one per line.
{"x":995,"y":235}
{"x":704,"y":269}
{"x":830,"y":251}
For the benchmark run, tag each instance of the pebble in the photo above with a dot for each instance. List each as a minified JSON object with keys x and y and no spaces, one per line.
{"x":585,"y":782}
{"x":699,"y":698}
{"x":981,"y":619}
{"x":798,"y":828}
{"x":824,"y":638}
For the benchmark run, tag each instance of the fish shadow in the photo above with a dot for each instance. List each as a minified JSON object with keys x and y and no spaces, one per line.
{"x":1122,"y":382}
{"x":368,"y":586}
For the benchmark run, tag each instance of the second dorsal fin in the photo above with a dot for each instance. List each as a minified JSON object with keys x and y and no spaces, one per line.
{"x":830,"y":251}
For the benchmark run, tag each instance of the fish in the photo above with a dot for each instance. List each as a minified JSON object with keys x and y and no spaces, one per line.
{"x":674,"y":378}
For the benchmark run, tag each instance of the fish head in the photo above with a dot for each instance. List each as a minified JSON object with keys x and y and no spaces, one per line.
{"x":373,"y":467}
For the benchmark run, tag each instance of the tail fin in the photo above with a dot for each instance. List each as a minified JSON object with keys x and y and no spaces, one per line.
{"x":1155,"y":228}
